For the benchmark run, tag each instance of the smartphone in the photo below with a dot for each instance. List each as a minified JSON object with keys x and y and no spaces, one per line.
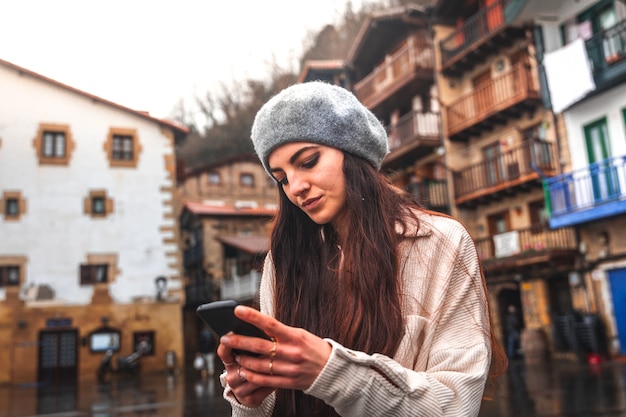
{"x":220,"y":316}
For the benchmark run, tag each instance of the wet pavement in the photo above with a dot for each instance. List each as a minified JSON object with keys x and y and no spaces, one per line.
{"x":553,"y":389}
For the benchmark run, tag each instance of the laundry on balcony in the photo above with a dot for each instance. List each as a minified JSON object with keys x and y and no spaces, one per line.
{"x":569,"y":75}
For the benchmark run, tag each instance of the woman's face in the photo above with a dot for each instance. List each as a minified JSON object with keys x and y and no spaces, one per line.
{"x":312,"y":177}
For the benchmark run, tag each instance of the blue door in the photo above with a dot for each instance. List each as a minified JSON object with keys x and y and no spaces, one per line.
{"x":618,"y":289}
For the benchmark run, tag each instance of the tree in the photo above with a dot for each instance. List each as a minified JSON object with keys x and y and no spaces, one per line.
{"x":229,"y":112}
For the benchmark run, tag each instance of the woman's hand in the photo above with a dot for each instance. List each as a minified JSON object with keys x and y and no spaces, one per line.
{"x":292,"y":360}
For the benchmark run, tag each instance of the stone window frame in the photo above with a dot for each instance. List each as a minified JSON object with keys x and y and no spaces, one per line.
{"x":21,"y":205}
{"x":88,"y":204}
{"x":108,"y":147}
{"x":38,"y":143}
{"x":17,"y":261}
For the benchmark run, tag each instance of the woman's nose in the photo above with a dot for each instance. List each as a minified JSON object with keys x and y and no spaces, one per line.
{"x":298,"y":187}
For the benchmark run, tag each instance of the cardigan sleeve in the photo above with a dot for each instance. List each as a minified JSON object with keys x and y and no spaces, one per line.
{"x":266,"y":299}
{"x":458,"y":357}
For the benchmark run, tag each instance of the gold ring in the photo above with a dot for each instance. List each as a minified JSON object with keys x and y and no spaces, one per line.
{"x":243,"y":378}
{"x":274,"y":348}
{"x":271,"y":366}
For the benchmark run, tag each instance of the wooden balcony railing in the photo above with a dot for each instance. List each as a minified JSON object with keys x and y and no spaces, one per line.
{"x":478,"y":28}
{"x":414,"y":126}
{"x":432,"y":193}
{"x":416,"y":55}
{"x":507,"y":169}
{"x":538,"y":238}
{"x":492,"y":97}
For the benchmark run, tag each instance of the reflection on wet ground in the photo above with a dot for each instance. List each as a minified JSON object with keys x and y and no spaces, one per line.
{"x":559,"y":389}
{"x":552,"y":389}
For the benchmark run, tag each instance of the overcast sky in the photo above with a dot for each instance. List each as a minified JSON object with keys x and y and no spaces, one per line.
{"x":146,"y":54}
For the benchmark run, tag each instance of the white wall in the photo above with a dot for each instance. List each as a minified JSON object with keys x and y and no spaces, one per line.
{"x":608,"y":104}
{"x":55,"y":234}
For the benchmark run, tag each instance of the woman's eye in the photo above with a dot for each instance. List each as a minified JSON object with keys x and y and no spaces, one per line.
{"x":282,"y":181}
{"x":310,"y":163}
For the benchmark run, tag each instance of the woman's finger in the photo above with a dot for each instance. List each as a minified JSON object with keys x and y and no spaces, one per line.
{"x":268,"y":324}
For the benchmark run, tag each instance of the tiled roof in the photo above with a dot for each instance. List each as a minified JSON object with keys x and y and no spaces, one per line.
{"x":249,"y":244}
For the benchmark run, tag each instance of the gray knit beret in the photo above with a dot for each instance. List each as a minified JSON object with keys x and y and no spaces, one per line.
{"x":320,"y":113}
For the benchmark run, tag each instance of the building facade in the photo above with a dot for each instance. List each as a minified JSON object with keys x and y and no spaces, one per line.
{"x":590,"y":195}
{"x":225,"y":224}
{"x":88,"y":247}
{"x":463,"y":88}
{"x":501,"y":142}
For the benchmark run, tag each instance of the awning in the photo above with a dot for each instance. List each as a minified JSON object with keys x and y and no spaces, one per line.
{"x":249,"y":244}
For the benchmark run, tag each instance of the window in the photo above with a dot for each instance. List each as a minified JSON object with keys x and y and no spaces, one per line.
{"x":54,"y":144}
{"x":94,"y":274}
{"x":247,"y":180}
{"x":214,"y":178}
{"x":13,"y":205}
{"x":104,"y":339}
{"x":98,"y":204}
{"x":9,"y":275}
{"x":122,"y":147}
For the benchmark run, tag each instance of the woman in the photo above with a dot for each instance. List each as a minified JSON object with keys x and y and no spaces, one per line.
{"x":375,"y":306}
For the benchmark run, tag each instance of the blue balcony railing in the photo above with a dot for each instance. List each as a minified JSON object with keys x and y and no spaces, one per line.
{"x":594,"y":192}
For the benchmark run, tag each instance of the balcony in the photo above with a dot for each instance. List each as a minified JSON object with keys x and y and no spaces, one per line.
{"x":536,"y":247}
{"x":518,"y":168}
{"x":413,"y":136}
{"x":493,"y":102}
{"x":607,"y":56}
{"x":412,"y":64}
{"x":594,"y":192}
{"x":432,"y":193}
{"x":482,"y":34}
{"x":193,"y":256}
{"x":240,"y":287}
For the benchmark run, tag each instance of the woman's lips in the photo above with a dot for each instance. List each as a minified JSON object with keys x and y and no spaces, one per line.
{"x":310,"y":203}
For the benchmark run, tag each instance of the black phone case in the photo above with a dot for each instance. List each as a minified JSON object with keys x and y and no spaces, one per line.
{"x":220,"y":316}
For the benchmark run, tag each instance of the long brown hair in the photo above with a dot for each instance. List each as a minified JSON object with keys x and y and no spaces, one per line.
{"x":320,"y":282}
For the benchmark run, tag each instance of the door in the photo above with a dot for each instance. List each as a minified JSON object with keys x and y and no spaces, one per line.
{"x":603,"y":176}
{"x":499,"y":223}
{"x":494,"y":166}
{"x":483,"y":93}
{"x":495,"y":17}
{"x":58,"y":356}
{"x":617,"y":277}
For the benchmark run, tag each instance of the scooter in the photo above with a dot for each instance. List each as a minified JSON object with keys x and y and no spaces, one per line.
{"x":129,"y":364}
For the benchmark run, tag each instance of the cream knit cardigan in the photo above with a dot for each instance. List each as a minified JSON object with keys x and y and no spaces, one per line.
{"x":441,"y":365}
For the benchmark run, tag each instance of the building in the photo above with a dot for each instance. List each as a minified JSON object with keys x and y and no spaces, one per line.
{"x":89,"y":255}
{"x":225,"y":224}
{"x":585,"y":51}
{"x":501,"y":142}
{"x":390,"y":69}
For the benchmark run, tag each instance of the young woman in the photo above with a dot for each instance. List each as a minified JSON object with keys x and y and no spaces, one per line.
{"x":375,"y":306}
